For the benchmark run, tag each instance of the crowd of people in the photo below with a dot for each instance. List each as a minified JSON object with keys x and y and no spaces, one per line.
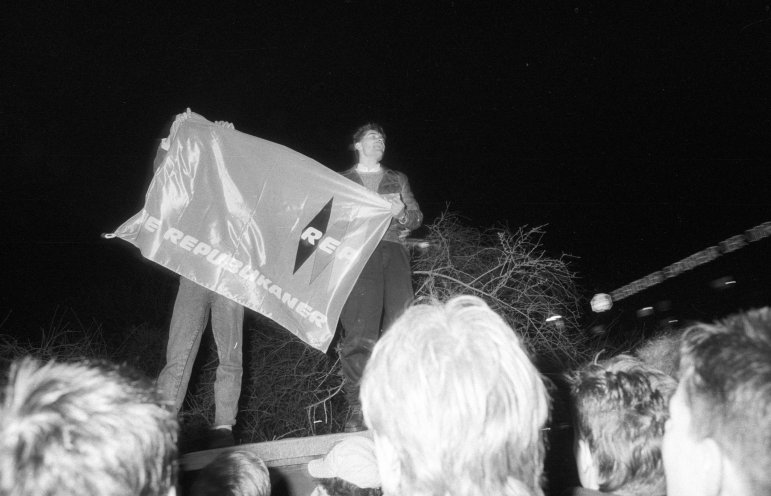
{"x":454,"y":406}
{"x":452,"y":400}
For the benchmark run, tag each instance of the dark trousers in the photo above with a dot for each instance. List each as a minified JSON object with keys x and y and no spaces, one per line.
{"x":382,"y":292}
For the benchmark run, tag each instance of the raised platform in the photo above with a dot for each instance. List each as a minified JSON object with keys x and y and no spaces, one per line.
{"x":287,"y":460}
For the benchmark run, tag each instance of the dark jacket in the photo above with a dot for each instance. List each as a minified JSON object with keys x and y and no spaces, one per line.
{"x":394,"y":182}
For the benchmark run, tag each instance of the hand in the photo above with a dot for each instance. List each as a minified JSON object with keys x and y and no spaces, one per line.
{"x":397,"y":207}
{"x":225,"y":124}
{"x":184,"y":115}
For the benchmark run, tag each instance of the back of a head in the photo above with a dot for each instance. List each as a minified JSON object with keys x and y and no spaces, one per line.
{"x":620,"y":409}
{"x":662,"y":351}
{"x":239,"y":472}
{"x":84,"y":429}
{"x":725,"y":375}
{"x":452,"y":391}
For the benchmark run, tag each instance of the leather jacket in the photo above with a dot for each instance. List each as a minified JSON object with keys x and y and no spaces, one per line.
{"x":395,"y":182}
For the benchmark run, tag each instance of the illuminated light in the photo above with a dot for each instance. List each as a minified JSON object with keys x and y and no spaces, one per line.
{"x":645,"y":311}
{"x":601,"y":302}
{"x":722,"y":282}
{"x":554,"y":318}
{"x":673,"y":321}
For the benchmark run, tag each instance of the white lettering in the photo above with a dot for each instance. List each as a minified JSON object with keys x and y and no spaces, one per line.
{"x":188,"y":243}
{"x":173,"y":235}
{"x":202,"y":249}
{"x":275,"y":290}
{"x":152,"y":224}
{"x":216,"y":258}
{"x":289,"y":300}
{"x":329,"y":245}
{"x":234,"y":265}
{"x":318,"y":318}
{"x":303,"y":309}
{"x":264,"y":282}
{"x":311,"y":235}
{"x":248,"y":273}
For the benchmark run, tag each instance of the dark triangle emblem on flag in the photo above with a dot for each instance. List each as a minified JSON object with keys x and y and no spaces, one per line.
{"x":312,"y":234}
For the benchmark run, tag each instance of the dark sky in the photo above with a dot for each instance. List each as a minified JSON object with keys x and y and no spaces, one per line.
{"x":638,"y":133}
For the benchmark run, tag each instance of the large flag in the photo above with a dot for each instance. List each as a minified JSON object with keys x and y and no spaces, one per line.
{"x":258,"y":223}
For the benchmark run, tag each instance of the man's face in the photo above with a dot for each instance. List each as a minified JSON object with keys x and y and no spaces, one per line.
{"x":683,"y":453}
{"x":371,"y":146}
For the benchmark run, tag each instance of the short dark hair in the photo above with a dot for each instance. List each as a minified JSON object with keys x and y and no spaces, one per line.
{"x":88,"y":428}
{"x":239,"y":472}
{"x":725,"y":376}
{"x":370,"y":126}
{"x":620,"y":408}
{"x":336,"y":486}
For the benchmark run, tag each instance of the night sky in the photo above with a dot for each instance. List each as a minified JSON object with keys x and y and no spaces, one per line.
{"x":637,"y":133}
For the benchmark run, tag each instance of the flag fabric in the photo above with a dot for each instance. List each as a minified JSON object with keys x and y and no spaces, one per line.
{"x":258,"y":223}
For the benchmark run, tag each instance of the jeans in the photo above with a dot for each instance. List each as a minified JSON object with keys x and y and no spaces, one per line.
{"x":188,"y":321}
{"x":380,"y":295}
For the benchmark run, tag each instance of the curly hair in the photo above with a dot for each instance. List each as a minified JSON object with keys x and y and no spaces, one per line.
{"x":620,"y":407}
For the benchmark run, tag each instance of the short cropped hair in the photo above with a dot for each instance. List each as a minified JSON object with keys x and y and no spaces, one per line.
{"x":452,"y":389}
{"x":620,"y":408}
{"x":662,"y":351}
{"x":336,"y":486}
{"x":725,"y":375}
{"x":84,"y":429}
{"x":363,"y":130}
{"x":237,"y":472}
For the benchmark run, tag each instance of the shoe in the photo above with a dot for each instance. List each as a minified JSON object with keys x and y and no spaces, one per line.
{"x":355,"y":422}
{"x":220,"y":438}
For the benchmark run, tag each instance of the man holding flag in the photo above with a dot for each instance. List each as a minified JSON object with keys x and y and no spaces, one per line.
{"x":384,"y":288}
{"x":192,"y":308}
{"x":250,"y":223}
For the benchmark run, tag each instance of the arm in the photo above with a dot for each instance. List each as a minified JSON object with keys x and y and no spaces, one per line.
{"x":412,"y":217}
{"x":165,"y":144}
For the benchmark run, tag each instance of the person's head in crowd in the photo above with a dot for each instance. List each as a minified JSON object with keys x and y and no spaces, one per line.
{"x":349,"y":469}
{"x":718,"y":438}
{"x":455,"y":404}
{"x":89,"y":428}
{"x":369,"y":143}
{"x":662,"y":351}
{"x":238,"y":472}
{"x":619,"y":411}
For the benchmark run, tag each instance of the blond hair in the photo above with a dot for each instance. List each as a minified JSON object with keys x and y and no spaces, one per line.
{"x":452,"y":389}
{"x":89,"y":428}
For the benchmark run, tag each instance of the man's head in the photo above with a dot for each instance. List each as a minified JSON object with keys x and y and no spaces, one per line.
{"x":620,"y":408}
{"x":239,"y":472}
{"x":84,"y":429}
{"x":455,"y":404}
{"x":369,"y":143}
{"x":718,"y":439}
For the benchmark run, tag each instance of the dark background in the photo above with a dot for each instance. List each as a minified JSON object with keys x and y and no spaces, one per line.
{"x":637,"y":132}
